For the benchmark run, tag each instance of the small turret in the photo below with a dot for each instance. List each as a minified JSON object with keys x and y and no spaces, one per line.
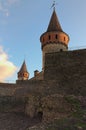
{"x":23,"y":73}
{"x":54,"y":39}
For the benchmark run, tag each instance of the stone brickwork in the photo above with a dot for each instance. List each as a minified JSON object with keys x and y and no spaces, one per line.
{"x":64,"y":74}
{"x":68,"y":68}
{"x":51,"y":106}
{"x":12,"y":104}
{"x":7,"y":89}
{"x":52,"y":48}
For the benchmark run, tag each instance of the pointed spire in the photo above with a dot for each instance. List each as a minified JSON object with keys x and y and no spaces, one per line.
{"x":23,"y":67}
{"x":54,"y":24}
{"x":23,"y":73}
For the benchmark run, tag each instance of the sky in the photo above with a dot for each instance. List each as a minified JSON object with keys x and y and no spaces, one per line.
{"x":21,"y":24}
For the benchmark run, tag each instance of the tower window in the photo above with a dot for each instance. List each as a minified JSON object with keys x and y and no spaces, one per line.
{"x":49,"y":37}
{"x":64,"y":39}
{"x":56,"y":36}
{"x":43,"y":39}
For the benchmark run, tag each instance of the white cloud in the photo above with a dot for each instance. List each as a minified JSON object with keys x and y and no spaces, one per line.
{"x":7,"y":68}
{"x":5,"y":5}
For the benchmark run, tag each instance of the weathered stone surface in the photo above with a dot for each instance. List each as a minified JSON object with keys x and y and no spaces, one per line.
{"x":55,"y":106}
{"x":66,"y":66}
{"x":61,"y":94}
{"x":16,"y":121}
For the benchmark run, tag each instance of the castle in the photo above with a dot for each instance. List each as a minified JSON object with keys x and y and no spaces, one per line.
{"x":53,"y":40}
{"x":63,"y":76}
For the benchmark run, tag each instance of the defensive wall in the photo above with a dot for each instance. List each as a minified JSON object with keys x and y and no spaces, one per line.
{"x":64,"y":71}
{"x":64,"y":76}
{"x":68,"y":69}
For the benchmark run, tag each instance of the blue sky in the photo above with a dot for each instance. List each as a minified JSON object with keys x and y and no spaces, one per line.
{"x":23,"y":21}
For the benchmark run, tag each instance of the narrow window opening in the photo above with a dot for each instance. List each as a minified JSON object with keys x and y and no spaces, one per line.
{"x":56,"y":36}
{"x":43,"y":39}
{"x":64,"y":39}
{"x":49,"y":37}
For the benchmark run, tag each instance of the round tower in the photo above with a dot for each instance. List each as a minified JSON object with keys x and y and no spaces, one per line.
{"x":54,"y":39}
{"x":23,"y":73}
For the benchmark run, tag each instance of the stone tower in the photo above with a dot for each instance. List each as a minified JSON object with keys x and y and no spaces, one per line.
{"x":54,"y":39}
{"x":23,"y":73}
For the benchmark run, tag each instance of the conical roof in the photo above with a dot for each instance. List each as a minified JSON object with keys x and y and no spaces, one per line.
{"x":23,"y":68}
{"x":54,"y":24}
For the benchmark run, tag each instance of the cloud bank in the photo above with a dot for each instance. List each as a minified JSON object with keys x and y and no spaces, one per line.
{"x":7,"y":68}
{"x":5,"y":5}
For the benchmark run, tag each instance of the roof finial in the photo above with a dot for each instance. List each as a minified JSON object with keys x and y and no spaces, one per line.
{"x":53,"y":5}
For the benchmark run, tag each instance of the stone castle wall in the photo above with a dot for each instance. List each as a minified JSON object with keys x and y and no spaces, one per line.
{"x":64,"y":71}
{"x":67,"y":68}
{"x":64,"y":74}
{"x":50,"y":48}
{"x":7,"y":89}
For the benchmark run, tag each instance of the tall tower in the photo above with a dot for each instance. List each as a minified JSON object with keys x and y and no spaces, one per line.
{"x":54,"y":39}
{"x":23,"y":73}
